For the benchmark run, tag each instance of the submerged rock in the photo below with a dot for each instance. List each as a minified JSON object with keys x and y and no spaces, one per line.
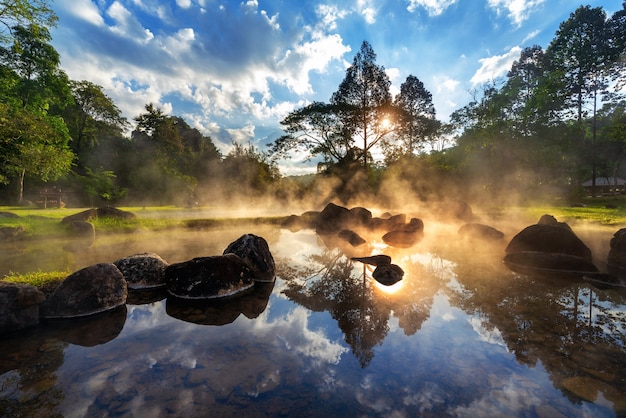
{"x":540,"y":263}
{"x":256,"y":252}
{"x":351,"y":237}
{"x":94,"y":289}
{"x":143,"y":271}
{"x":209,"y":277}
{"x":19,"y":306}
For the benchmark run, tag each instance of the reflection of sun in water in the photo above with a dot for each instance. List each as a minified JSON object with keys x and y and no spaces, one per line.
{"x":389,"y":290}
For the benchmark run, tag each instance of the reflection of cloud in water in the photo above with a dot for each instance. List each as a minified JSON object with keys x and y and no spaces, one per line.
{"x":293,"y":331}
{"x":491,"y":336}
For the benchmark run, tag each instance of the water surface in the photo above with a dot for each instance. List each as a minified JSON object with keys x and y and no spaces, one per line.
{"x":460,"y":335}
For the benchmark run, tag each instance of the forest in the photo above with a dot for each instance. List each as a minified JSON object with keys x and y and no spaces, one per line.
{"x":556,"y":120}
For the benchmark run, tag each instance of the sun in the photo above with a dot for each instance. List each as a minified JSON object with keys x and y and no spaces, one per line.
{"x":385,"y":123}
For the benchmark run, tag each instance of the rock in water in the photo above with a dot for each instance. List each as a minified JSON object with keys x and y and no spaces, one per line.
{"x":374,"y":260}
{"x":19,"y":306}
{"x":94,"y":289}
{"x":143,"y":271}
{"x":548,"y":239}
{"x":388,"y":274}
{"x":209,"y":277}
{"x":255,"y":251}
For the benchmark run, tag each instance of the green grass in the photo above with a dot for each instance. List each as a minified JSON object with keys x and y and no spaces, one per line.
{"x":46,"y":281}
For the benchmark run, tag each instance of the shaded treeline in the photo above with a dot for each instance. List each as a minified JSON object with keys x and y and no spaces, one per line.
{"x":556,"y":119}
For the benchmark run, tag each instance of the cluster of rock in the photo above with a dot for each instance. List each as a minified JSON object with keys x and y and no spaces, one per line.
{"x":105,"y":286}
{"x":351,"y":226}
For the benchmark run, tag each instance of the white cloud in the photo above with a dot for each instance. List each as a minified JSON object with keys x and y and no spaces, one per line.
{"x":367,"y":10}
{"x":518,"y":10}
{"x":127,"y":25}
{"x":185,"y":4}
{"x":329,"y":14}
{"x":433,"y":7}
{"x":86,"y":10}
{"x":495,"y":66}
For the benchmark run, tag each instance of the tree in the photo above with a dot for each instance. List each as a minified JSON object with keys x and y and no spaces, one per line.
{"x":364,"y":101}
{"x":32,"y":144}
{"x":39,"y":81}
{"x":416,"y":116}
{"x":316,"y":129}
{"x":93,"y":115}
{"x":24,"y":13}
{"x":581,"y":53}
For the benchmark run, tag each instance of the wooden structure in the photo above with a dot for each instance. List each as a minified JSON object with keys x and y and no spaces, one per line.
{"x":50,"y":197}
{"x":606,"y":186}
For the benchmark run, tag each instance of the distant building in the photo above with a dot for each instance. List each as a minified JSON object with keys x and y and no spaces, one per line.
{"x":606,"y":185}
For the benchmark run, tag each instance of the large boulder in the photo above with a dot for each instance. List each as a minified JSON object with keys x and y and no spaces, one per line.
{"x":111,"y":212}
{"x":84,"y":216}
{"x":332,"y":219}
{"x":548,"y":238}
{"x":210,"y":277}
{"x":617,"y":254}
{"x":256,"y":252}
{"x":407,"y":236}
{"x":94,"y":289}
{"x":19,"y":306}
{"x":143,"y":271}
{"x":84,"y":232}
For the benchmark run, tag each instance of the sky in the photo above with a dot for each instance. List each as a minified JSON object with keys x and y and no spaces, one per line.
{"x":234,"y":69}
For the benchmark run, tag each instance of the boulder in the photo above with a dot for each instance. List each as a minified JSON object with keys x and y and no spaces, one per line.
{"x":91,"y":290}
{"x":551,"y":220}
{"x":351,"y":237}
{"x":388,"y":274}
{"x":617,"y":252}
{"x":209,"y":277}
{"x":387,"y":222}
{"x":480,"y":231}
{"x":455,"y":210}
{"x":111,"y":212}
{"x":409,"y":235}
{"x":9,"y":215}
{"x":19,"y":306}
{"x":548,"y":239}
{"x":10,"y":233}
{"x":143,"y":271}
{"x":360,"y":215}
{"x":295,"y":223}
{"x":83,"y":230}
{"x":256,"y":252}
{"x":84,"y":216}
{"x":333,"y":219}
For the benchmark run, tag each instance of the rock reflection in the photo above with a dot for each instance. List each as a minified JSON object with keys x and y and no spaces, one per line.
{"x":221,"y":312}
{"x":30,"y":360}
{"x":576,"y":331}
{"x":332,"y":282}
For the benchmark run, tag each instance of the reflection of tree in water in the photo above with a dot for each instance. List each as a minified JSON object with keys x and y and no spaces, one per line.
{"x":576,"y":331}
{"x":332,"y":282}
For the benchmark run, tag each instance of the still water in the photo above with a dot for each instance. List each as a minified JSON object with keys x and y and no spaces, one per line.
{"x":459,"y":336}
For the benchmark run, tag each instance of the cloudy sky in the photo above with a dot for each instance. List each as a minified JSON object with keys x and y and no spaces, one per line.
{"x":235,"y":68}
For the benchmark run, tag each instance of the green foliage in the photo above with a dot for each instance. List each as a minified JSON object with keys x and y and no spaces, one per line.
{"x":24,"y":13}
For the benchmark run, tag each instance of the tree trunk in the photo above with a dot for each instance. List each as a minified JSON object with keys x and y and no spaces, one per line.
{"x":21,"y":186}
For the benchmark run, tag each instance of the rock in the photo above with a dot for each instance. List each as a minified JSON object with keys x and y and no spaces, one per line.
{"x":548,"y":239}
{"x":295,"y":223}
{"x":256,"y":252}
{"x":351,"y":237}
{"x":111,"y":212}
{"x":403,"y":238}
{"x":617,"y":251}
{"x":360,"y":215}
{"x":333,"y":219}
{"x":84,"y":216}
{"x":9,"y":215}
{"x":84,"y":230}
{"x":143,"y":271}
{"x":388,"y":274}
{"x":456,"y":209}
{"x":387,"y":223}
{"x":480,"y":231}
{"x":209,"y":277}
{"x":94,"y":289}
{"x":538,"y":263}
{"x":10,"y":233}
{"x":551,"y":220}
{"x":374,"y":260}
{"x":19,"y":306}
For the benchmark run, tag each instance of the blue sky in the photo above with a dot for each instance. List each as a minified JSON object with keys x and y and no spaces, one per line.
{"x":234,"y":69}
